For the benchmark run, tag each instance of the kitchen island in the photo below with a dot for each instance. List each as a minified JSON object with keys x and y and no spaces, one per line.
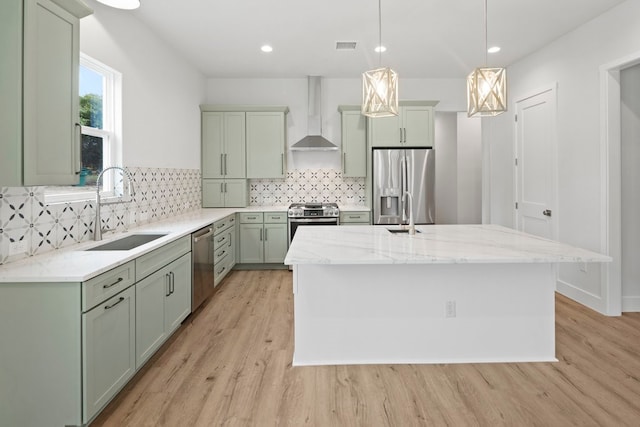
{"x":448,"y":294}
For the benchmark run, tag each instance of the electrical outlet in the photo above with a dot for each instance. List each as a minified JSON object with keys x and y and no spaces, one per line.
{"x":450,"y":309}
{"x":18,"y":247}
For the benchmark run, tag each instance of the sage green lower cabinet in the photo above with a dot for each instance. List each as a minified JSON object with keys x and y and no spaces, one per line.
{"x":109,"y":343}
{"x":263,"y":237}
{"x":220,"y":193}
{"x":68,"y":348}
{"x":224,"y":248}
{"x":355,"y":218}
{"x":163,"y":301}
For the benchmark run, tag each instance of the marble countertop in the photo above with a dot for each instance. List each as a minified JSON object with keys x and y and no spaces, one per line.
{"x":435,"y":244}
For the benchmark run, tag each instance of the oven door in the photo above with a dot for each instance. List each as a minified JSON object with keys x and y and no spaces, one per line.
{"x":294,"y":223}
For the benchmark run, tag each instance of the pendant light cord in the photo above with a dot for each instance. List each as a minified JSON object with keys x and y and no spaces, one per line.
{"x":486,"y":43}
{"x":380,"y":33}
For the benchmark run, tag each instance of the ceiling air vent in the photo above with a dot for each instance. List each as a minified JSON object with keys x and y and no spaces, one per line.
{"x":345,"y":45}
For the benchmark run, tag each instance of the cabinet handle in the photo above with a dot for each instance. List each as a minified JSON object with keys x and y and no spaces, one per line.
{"x":225,"y":165}
{"x":220,"y":226}
{"x":221,"y":270}
{"x":78,"y":148}
{"x":251,"y":217}
{"x":344,"y":162}
{"x":232,"y":220}
{"x":222,"y":187}
{"x":266,"y":230}
{"x":225,"y":187}
{"x":261,"y":234}
{"x":221,"y":164}
{"x":220,"y":239}
{"x":120,"y":279}
{"x":282,"y":163}
{"x":400,"y":135}
{"x":405,"y":135}
{"x":275,"y":217}
{"x":172,"y":282}
{"x":221,"y":253}
{"x":107,"y":307}
{"x":167,"y":285}
{"x":354,"y":216}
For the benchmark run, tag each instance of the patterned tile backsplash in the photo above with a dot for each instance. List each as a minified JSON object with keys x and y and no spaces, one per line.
{"x":25,"y":218}
{"x":159,"y":193}
{"x":308,"y":185}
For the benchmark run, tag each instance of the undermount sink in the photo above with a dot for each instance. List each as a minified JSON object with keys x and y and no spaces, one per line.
{"x":126,"y":243}
{"x":400,"y":230}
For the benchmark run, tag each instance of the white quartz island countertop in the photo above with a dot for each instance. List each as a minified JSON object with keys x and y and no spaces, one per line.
{"x":432,"y":244}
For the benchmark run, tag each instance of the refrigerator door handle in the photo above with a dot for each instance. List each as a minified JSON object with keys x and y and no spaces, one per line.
{"x":403,"y":186}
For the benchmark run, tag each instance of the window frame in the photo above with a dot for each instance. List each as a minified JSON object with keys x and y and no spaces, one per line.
{"x":111,"y":134}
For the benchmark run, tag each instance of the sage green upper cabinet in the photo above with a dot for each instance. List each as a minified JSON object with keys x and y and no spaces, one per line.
{"x":412,"y":127}
{"x":354,"y":141}
{"x":223,"y":145}
{"x":266,"y":135}
{"x":221,"y":193}
{"x":40,"y":47}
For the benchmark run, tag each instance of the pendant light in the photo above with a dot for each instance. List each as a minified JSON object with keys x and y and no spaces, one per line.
{"x":122,"y":4}
{"x":380,"y":86}
{"x":486,"y":87}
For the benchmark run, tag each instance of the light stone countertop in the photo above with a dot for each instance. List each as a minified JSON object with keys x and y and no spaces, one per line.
{"x":75,"y":264}
{"x":435,"y":244}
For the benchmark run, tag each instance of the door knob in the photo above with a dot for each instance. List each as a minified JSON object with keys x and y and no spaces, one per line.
{"x":546,"y":212}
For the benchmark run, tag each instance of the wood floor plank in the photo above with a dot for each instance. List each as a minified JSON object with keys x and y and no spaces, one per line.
{"x":229,"y":364}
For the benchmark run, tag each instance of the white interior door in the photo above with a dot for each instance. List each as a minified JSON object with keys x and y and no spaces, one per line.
{"x":536,"y":209}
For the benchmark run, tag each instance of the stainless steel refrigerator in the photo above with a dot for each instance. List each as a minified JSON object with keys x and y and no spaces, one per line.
{"x":396,"y":171}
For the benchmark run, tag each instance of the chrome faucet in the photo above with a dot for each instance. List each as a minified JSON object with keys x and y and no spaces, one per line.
{"x":412,"y":226}
{"x":97,"y":226}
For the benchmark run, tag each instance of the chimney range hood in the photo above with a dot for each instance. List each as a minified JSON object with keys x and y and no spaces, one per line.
{"x":314,"y":141}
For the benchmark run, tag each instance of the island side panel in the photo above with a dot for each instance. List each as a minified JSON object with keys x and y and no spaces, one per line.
{"x":364,"y":314}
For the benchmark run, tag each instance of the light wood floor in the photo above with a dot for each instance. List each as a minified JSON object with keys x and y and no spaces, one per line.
{"x":230,"y":364}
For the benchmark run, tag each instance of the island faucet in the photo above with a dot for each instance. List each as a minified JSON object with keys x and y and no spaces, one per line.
{"x":97,"y":226}
{"x":412,"y":226}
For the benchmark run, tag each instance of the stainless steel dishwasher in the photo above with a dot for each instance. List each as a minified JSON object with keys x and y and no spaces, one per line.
{"x":202,"y":255}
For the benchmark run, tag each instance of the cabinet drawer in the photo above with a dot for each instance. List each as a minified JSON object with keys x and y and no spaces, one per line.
{"x":275,"y":217}
{"x":221,"y":240}
{"x":223,"y":224}
{"x":154,"y":260}
{"x":351,"y":217}
{"x":106,"y":285}
{"x":222,"y":268}
{"x":251,"y":218}
{"x":220,"y":253}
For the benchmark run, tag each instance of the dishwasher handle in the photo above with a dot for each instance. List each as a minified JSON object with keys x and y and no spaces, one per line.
{"x":208,"y":232}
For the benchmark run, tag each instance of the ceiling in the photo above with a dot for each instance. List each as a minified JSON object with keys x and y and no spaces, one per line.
{"x":425,"y":38}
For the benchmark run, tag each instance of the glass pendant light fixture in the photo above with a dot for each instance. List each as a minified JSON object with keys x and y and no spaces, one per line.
{"x":486,"y":87}
{"x":380,"y":86}
{"x":122,"y":4}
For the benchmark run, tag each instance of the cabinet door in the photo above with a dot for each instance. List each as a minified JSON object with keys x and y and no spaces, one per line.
{"x":51,"y":66}
{"x":418,"y":126}
{"x":275,"y":243}
{"x":108,"y":350}
{"x":251,"y":243}
{"x":234,"y":145}
{"x":178,"y":303}
{"x":354,"y":144}
{"x":212,"y":193}
{"x":265,"y":145}
{"x":236,"y":193}
{"x":385,"y":131}
{"x":150,"y":325}
{"x":212,"y":145}
{"x":11,"y":90}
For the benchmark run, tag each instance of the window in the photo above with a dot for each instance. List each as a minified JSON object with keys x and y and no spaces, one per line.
{"x":100,"y":108}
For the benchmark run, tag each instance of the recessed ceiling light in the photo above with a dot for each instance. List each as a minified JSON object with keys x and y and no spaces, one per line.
{"x":122,"y":4}
{"x":266,"y":48}
{"x":494,"y":49}
{"x":380,"y":49}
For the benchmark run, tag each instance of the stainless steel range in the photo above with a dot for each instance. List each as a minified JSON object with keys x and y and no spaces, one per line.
{"x":312,"y":214}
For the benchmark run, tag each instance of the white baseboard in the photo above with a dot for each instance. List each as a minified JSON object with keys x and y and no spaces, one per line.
{"x":631,"y":304}
{"x":587,"y":299}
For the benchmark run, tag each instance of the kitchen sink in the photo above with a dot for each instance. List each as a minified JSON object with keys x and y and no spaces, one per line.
{"x":126,"y":243}
{"x":400,"y":230}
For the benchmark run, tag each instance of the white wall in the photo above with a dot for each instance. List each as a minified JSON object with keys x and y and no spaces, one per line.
{"x":469,"y":169}
{"x":446,"y":148}
{"x":630,"y":156}
{"x":293,"y":92}
{"x":573,"y":63}
{"x":161,"y":91}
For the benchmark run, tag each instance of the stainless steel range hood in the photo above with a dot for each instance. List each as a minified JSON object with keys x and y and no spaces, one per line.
{"x":314,"y":141}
